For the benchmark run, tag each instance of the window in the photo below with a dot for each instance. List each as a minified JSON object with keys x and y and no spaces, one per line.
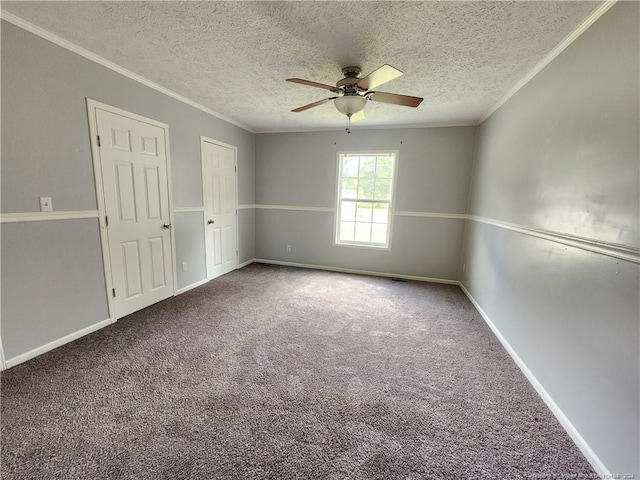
{"x":365,"y":198}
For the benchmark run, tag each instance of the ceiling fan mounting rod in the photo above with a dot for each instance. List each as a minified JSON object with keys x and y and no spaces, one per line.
{"x":352,"y":72}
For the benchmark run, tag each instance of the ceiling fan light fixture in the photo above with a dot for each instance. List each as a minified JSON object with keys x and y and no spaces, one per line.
{"x":354,"y":92}
{"x":350,"y":104}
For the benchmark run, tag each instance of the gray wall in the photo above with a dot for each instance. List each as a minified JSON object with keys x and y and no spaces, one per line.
{"x":46,"y":151}
{"x":299,"y":169}
{"x":563,"y":156}
{"x":52,"y":282}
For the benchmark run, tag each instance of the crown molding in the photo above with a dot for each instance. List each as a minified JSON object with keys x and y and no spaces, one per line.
{"x":568,"y":40}
{"x":45,"y":34}
{"x":72,"y":47}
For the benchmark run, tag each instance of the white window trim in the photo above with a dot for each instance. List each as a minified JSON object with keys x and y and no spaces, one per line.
{"x":392,"y":202}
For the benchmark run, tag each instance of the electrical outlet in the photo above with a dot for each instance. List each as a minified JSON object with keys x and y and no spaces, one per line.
{"x":288,"y":248}
{"x":185,"y":266}
{"x":45,"y":204}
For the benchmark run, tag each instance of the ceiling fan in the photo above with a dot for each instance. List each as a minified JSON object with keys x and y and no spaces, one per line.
{"x":353,"y":92}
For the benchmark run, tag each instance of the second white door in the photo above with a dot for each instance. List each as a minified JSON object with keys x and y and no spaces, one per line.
{"x":219,"y":171}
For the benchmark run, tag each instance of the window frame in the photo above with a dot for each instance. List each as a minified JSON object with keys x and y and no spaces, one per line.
{"x":338,"y":184}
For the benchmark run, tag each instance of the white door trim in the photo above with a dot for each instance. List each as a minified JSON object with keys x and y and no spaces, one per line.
{"x":3,"y":364}
{"x":204,"y":140}
{"x":92,"y":106}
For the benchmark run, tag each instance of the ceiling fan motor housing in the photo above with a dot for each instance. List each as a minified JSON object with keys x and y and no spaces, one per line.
{"x":348,"y":83}
{"x":354,"y":92}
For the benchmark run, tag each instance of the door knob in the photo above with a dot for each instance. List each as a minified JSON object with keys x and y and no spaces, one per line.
{"x":211,"y":222}
{"x":166,"y":225}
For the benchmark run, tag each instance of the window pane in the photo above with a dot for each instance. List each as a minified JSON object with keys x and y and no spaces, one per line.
{"x":347,"y":231}
{"x":380,"y":213}
{"x":385,"y":167}
{"x":367,"y":167}
{"x":350,"y":166}
{"x":363,"y":232}
{"x":349,"y":188}
{"x":379,"y":233}
{"x":347,"y":211}
{"x":383,"y":189}
{"x":364,"y":212}
{"x":365,"y":188}
{"x":365,"y":196}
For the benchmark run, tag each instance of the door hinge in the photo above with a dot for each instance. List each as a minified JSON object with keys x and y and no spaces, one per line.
{"x":237,"y":253}
{"x":113,"y":291}
{"x":235,"y":169}
{"x":236,"y":211}
{"x":106,"y":220}
{"x":98,"y":137}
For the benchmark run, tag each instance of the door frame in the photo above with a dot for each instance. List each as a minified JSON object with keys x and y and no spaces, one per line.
{"x":3,"y":364}
{"x":92,"y":106}
{"x":204,"y":140}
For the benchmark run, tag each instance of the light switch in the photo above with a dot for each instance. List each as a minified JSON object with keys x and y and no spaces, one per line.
{"x":45,"y":204}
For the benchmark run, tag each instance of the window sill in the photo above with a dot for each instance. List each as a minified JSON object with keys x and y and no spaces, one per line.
{"x":363,"y":246}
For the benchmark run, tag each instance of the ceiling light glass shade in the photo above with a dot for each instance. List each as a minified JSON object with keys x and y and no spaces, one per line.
{"x":350,"y":104}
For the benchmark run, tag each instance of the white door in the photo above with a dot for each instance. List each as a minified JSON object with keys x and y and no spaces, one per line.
{"x":133,"y":161}
{"x":219,"y":171}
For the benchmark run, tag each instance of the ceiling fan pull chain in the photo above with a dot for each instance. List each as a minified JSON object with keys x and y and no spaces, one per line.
{"x":348,"y":129}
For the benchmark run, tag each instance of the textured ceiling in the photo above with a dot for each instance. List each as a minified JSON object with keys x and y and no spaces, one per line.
{"x":233,"y":57}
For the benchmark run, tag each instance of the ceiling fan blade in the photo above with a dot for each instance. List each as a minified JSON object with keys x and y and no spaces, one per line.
{"x":396,"y":99}
{"x":312,"y":84}
{"x":356,"y":117}
{"x":314,"y":104}
{"x":376,"y":78}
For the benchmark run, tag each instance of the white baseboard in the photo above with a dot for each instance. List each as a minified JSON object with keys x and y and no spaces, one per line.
{"x":205,"y":280}
{"x":12,"y":362}
{"x":248,"y":262}
{"x":192,"y":286}
{"x":358,"y":272}
{"x":580,"y":442}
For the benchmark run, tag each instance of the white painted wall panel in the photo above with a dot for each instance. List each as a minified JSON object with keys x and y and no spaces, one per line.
{"x":434,"y":167}
{"x":299,"y":169}
{"x":425,"y":247}
{"x":190,"y":247}
{"x":563,"y":155}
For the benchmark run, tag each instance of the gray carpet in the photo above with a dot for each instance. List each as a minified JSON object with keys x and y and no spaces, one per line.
{"x":282,"y":373}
